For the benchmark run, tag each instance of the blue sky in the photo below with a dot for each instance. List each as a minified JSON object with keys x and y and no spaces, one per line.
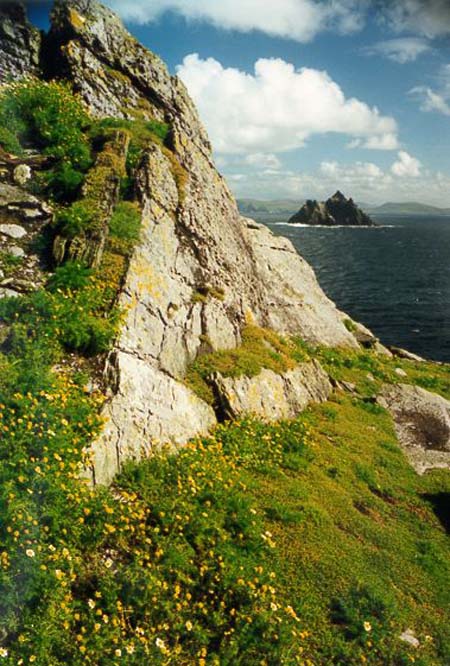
{"x":343,"y":95}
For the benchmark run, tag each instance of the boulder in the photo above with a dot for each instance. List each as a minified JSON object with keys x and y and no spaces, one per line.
{"x":13,"y":231}
{"x":148,"y":409}
{"x":422,"y":424}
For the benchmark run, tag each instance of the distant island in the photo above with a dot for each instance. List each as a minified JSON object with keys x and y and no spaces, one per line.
{"x":335,"y":211}
{"x":287,"y":207}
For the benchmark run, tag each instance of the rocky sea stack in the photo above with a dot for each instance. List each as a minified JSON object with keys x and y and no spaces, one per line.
{"x":336,"y":211}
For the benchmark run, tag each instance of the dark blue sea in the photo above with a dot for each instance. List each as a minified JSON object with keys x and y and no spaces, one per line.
{"x":394,"y":278}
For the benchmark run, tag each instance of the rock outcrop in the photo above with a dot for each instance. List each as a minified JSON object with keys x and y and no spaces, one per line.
{"x":200,"y":271}
{"x":422,"y":423}
{"x":22,"y":219}
{"x":20,"y":43}
{"x":270,"y":395}
{"x":336,"y":211}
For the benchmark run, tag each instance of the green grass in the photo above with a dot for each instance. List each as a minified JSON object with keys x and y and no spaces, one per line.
{"x":124,"y":227}
{"x":303,"y":542}
{"x":369,"y":371}
{"x":365,"y":526}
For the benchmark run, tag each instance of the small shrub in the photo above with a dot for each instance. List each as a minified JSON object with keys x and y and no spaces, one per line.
{"x":70,"y":276}
{"x":364,"y":617}
{"x":63,"y":181}
{"x":49,"y":116}
{"x":9,"y":262}
{"x":350,"y":325}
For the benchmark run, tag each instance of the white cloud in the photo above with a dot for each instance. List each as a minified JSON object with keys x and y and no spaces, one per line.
{"x":431,"y":100}
{"x":263,"y":161}
{"x":358,"y":171}
{"x":277,"y":108}
{"x":363,"y":181}
{"x":435,"y":100}
{"x":430,"y":18}
{"x":386,"y":141}
{"x":401,"y":50}
{"x":294,"y":19}
{"x":406,"y":166}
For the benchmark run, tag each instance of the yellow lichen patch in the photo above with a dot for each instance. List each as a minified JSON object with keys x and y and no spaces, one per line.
{"x":76,"y":20}
{"x":147,"y":281}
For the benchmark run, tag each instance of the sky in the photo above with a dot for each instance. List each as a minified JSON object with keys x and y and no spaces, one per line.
{"x":303,"y":97}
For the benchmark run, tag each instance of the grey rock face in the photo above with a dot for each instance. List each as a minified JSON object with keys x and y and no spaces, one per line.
{"x":149,"y":409}
{"x":200,"y":271}
{"x":270,"y":395}
{"x":422,"y":423}
{"x":20,"y":43}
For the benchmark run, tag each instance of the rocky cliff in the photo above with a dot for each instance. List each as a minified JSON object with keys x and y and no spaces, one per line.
{"x":335,"y":211}
{"x":200,"y":272}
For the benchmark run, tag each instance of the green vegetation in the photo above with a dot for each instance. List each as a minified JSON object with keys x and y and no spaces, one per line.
{"x":48,"y":117}
{"x":368,"y":371}
{"x":350,"y":325}
{"x":70,"y":315}
{"x":260,"y":348}
{"x":9,"y":263}
{"x":124,"y":227}
{"x":9,"y":142}
{"x":76,"y":219}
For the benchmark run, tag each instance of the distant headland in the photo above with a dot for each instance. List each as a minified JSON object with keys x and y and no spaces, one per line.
{"x":288,"y":207}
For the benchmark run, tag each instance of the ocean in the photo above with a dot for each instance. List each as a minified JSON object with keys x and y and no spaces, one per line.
{"x":394,"y":278}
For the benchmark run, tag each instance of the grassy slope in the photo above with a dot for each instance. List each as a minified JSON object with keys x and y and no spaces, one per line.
{"x":209,"y":556}
{"x":355,"y":518}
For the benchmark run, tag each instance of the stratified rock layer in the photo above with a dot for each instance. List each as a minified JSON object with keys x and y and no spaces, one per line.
{"x":336,"y":211}
{"x":422,"y":423}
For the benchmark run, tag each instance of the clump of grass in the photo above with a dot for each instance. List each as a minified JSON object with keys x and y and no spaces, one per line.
{"x":124,"y":227}
{"x":350,"y":325}
{"x":203,"y":292}
{"x":9,"y":263}
{"x":9,"y":142}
